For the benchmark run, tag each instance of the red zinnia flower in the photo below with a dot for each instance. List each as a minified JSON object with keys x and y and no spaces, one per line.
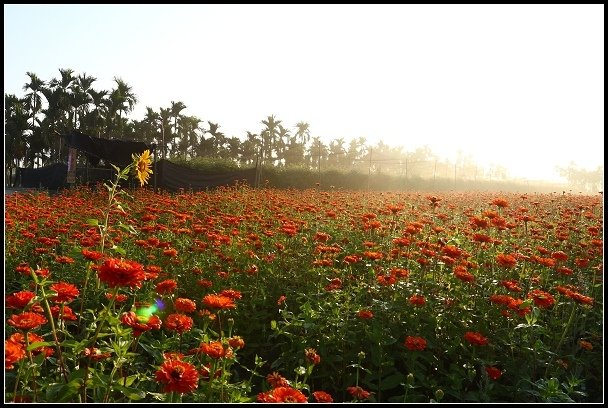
{"x":179,"y":323}
{"x":166,"y":286}
{"x":214,"y":349}
{"x":32,"y":338}
{"x":121,"y":272}
{"x":231,"y":293}
{"x":312,"y":356}
{"x":322,"y":396}
{"x":13,"y":352}
{"x":541,"y":298}
{"x":493,"y":372}
{"x":476,"y":338}
{"x":417,"y":300}
{"x":140,"y":324}
{"x":236,"y":342}
{"x":365,"y":314}
{"x":277,"y":380}
{"x":66,"y":292}
{"x":511,"y":285}
{"x":27,"y":321}
{"x":91,"y":255}
{"x":19,"y":300}
{"x":358,"y":392}
{"x":185,"y":305}
{"x":177,"y":376}
{"x":282,"y":394}
{"x":414,"y":343}
{"x":67,"y":314}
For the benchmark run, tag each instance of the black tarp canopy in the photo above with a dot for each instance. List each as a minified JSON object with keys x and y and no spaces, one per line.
{"x":117,"y":152}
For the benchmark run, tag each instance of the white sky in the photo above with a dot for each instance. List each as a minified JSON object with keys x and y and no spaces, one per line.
{"x":515,"y":85}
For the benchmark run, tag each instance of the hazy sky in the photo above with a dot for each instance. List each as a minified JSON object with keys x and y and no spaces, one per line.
{"x":514,"y":85}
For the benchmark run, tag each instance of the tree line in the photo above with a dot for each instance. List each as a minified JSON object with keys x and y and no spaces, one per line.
{"x":35,"y":122}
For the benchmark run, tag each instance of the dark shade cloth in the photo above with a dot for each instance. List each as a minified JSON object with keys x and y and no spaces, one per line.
{"x":116,"y":152}
{"x":52,"y":177}
{"x":173,"y":177}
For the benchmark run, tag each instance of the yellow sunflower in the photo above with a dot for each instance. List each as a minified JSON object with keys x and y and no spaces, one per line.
{"x":142,"y":164}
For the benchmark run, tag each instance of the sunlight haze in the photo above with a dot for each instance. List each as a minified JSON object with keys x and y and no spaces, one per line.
{"x":520,"y":86}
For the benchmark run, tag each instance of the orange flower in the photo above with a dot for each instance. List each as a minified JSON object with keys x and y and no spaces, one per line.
{"x":32,"y":338}
{"x":121,"y":272}
{"x":185,"y":305}
{"x":218,"y":302}
{"x":27,"y":321}
{"x":506,"y":261}
{"x":236,"y":342}
{"x":177,"y":376}
{"x":511,"y":285}
{"x":214,"y":349}
{"x":13,"y":352}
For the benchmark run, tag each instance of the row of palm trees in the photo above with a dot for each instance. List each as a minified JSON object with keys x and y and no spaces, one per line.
{"x":35,"y":122}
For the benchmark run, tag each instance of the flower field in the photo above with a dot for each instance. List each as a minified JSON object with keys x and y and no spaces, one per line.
{"x":267,"y":295}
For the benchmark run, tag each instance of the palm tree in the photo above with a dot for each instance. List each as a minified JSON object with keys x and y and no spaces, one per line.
{"x":122,"y":100}
{"x":165,"y":116}
{"x":33,"y":99}
{"x":303,"y":132}
{"x":269,"y":137}
{"x":15,"y":128}
{"x":176,"y":108}
{"x":219,"y":139}
{"x":81,"y":98}
{"x":100,"y":111}
{"x":249,"y":149}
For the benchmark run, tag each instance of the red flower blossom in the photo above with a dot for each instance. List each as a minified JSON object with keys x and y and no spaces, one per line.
{"x":493,"y":372}
{"x":13,"y":352}
{"x":365,"y":314}
{"x":281,"y":300}
{"x":358,"y":393}
{"x":322,"y":396}
{"x":414,"y":343}
{"x":179,"y":323}
{"x":66,"y":292}
{"x":214,"y":349}
{"x":506,"y":261}
{"x":476,"y":338}
{"x":312,"y":356}
{"x":27,"y":321}
{"x":417,"y":300}
{"x":91,"y":255}
{"x":166,"y":286}
{"x":236,"y":342}
{"x":282,"y":394}
{"x":541,"y":298}
{"x":19,"y":300}
{"x":95,"y":354}
{"x":511,"y":285}
{"x":32,"y":338}
{"x":218,"y":302}
{"x":184,"y":305}
{"x":140,"y":324}
{"x":121,"y":272}
{"x":461,"y":273}
{"x":232,"y":294}
{"x":177,"y":376}
{"x":277,"y":380}
{"x":67,"y":314}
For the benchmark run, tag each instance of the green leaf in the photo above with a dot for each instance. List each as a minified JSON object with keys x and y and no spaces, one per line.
{"x":131,"y":393}
{"x":120,"y":250}
{"x":34,"y":346}
{"x":92,"y":221}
